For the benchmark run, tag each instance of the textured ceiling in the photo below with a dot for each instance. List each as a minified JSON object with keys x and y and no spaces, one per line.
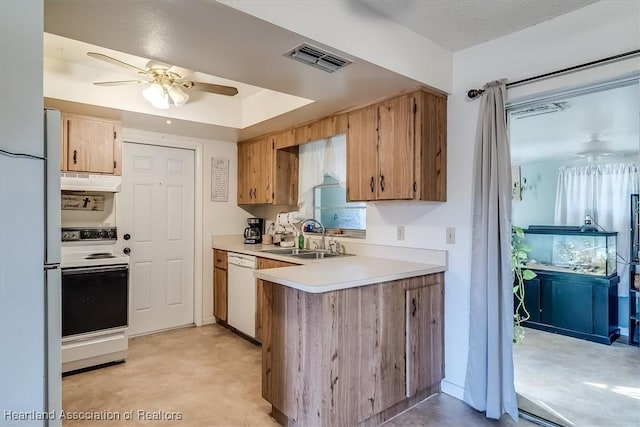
{"x":458,"y":24}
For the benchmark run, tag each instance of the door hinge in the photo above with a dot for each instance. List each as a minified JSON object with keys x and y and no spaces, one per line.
{"x":415,"y":108}
{"x":115,"y":135}
{"x":273,"y":195}
{"x":415,"y":186}
{"x":114,"y":164}
{"x":273,"y":145}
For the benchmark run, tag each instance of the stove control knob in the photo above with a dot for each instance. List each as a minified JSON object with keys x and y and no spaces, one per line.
{"x":126,"y":251}
{"x":127,"y":236}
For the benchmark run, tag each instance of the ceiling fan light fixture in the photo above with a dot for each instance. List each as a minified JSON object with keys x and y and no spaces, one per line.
{"x":156,"y":95}
{"x":178,"y":96}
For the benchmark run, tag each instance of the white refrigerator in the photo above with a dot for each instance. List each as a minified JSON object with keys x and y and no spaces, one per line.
{"x":29,"y":276}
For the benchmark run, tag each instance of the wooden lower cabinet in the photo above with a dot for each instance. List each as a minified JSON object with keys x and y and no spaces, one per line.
{"x":220,"y":285}
{"x":264,"y":263}
{"x":425,"y":335}
{"x":351,"y":357}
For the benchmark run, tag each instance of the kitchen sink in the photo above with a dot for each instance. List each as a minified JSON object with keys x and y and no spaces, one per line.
{"x":304,"y":253}
{"x":317,"y":255}
{"x":287,"y":251}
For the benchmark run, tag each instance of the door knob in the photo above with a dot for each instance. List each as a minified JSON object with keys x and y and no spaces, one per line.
{"x":126,"y":236}
{"x":126,"y":251}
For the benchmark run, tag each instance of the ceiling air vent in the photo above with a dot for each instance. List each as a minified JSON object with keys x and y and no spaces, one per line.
{"x":553,"y":107}
{"x":317,"y":58}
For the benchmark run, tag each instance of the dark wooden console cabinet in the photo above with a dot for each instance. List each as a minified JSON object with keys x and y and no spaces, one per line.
{"x":576,"y":305}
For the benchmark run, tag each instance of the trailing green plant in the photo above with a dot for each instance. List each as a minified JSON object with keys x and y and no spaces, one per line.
{"x":519,"y":255}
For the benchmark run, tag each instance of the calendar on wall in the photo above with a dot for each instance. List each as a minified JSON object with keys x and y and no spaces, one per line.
{"x":219,"y":180}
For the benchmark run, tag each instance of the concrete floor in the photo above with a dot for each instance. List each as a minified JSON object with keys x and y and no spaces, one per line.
{"x":576,"y":382}
{"x":209,"y":377}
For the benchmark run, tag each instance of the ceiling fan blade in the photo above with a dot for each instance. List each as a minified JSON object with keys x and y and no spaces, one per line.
{"x":114,"y":61}
{"x":211,"y":88}
{"x":119,"y":82}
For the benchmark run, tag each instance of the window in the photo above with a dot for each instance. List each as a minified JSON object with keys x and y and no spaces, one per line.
{"x":331,"y":208}
{"x":322,"y":190}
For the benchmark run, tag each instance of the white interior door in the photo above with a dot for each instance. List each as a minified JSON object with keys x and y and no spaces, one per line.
{"x":157,"y":211}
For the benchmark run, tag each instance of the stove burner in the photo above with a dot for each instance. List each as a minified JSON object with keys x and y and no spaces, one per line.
{"x":100,"y":255}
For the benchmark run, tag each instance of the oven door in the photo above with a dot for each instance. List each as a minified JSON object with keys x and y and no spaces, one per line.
{"x":94,"y":299}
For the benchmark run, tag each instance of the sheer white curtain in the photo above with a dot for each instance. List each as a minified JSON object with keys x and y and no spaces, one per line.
{"x":489,"y":384}
{"x":317,"y":159}
{"x":602,"y":191}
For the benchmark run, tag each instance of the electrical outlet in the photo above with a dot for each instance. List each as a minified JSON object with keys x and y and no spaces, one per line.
{"x":400,"y":232}
{"x":451,"y":235}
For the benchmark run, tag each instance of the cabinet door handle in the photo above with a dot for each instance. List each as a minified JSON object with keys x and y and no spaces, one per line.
{"x":372,"y":184}
{"x":415,"y":307}
{"x":382,"y":183}
{"x":75,"y":157}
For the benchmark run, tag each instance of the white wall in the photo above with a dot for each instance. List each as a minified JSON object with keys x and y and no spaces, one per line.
{"x":600,"y":30}
{"x":538,"y":202}
{"x":219,"y":218}
{"x":22,"y":352}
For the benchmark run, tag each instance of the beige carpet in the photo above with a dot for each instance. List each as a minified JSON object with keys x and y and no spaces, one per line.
{"x":208,"y":377}
{"x":577,"y":382}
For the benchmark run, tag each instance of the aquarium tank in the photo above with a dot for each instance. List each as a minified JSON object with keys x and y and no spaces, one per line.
{"x":566,"y":249}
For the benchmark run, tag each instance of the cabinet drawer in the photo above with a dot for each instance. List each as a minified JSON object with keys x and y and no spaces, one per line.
{"x":220,"y":259}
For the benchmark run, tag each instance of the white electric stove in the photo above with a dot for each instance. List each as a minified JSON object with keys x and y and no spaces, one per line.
{"x":95,"y":283}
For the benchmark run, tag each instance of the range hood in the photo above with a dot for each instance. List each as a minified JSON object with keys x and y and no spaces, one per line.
{"x":88,"y":182}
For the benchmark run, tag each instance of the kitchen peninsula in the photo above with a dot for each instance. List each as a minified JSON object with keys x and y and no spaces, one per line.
{"x":351,"y":341}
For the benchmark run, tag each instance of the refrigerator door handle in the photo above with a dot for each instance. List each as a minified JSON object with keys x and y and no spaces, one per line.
{"x":53,"y":298}
{"x":52,"y":123}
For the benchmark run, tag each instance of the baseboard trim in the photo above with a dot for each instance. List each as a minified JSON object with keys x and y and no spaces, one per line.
{"x":208,"y":320}
{"x":452,"y":389}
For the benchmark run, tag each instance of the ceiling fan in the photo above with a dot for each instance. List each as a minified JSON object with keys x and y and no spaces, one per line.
{"x":165,"y":83}
{"x":594,"y":148}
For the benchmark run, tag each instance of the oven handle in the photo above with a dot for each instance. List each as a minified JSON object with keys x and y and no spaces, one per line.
{"x":83,"y":270}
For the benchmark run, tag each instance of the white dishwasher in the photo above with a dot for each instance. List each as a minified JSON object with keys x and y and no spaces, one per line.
{"x":241,"y":293}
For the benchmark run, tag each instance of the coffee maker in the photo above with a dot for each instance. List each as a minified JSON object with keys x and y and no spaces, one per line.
{"x":253,"y":233}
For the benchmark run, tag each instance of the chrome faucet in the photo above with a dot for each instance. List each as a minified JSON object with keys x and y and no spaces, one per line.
{"x":324,"y":230}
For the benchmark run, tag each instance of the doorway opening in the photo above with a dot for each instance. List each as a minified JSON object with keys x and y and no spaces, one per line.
{"x":576,"y":164}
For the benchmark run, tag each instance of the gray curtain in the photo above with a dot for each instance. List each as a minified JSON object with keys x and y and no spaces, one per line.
{"x":489,"y":382}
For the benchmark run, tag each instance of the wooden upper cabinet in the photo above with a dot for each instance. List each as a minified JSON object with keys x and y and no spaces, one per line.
{"x":396,"y":150}
{"x":245,"y":190}
{"x":380,"y":151}
{"x":255,"y":163}
{"x":266,"y":174}
{"x":431,"y":147}
{"x":362,"y":155}
{"x":91,"y":145}
{"x":263,"y":171}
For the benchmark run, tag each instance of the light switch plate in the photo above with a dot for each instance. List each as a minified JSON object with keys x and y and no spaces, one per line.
{"x":451,"y":235}
{"x":400,"y":232}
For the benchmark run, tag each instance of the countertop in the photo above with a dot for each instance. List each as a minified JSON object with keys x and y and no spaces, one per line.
{"x":325,"y":275}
